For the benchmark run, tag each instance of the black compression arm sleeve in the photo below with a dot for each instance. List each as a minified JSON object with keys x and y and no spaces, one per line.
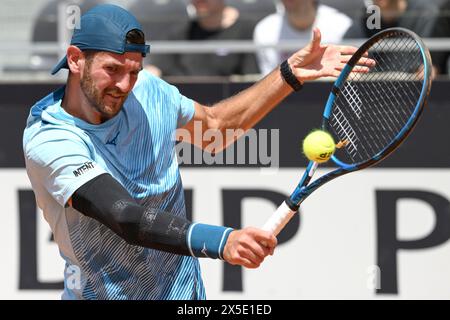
{"x":107,"y":201}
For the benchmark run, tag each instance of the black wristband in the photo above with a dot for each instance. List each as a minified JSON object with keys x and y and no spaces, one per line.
{"x":289,"y":77}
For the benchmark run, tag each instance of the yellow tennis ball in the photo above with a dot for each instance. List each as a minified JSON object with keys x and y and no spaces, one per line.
{"x":318,"y":146}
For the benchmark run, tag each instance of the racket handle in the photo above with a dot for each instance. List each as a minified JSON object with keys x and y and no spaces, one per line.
{"x":279,"y":219}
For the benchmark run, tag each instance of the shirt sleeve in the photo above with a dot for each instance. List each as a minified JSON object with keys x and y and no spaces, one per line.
{"x":61,"y":162}
{"x":186,"y":111}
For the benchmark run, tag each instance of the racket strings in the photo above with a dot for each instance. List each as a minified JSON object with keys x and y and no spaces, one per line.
{"x":372,"y":108}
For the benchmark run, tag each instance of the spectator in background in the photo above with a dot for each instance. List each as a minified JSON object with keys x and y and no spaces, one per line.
{"x":416,"y":15}
{"x":214,"y":21}
{"x":442,"y":30}
{"x":45,"y":29}
{"x":296,"y":23}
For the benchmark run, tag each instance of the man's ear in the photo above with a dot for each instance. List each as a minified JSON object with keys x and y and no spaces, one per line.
{"x":75,"y":59}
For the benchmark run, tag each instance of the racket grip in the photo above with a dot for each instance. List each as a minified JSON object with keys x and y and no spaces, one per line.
{"x":279,"y":219}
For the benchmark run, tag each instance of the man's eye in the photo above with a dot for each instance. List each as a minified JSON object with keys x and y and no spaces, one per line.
{"x":111,"y":69}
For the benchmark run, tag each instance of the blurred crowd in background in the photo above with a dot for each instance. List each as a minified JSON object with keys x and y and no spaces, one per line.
{"x":264,"y":22}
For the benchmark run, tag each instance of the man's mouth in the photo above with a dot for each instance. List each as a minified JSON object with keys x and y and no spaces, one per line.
{"x":115,"y":97}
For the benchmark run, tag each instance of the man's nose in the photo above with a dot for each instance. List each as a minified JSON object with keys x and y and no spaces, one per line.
{"x":124,"y":83}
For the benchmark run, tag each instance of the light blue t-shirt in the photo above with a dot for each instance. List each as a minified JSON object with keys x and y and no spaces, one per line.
{"x":137,"y":147}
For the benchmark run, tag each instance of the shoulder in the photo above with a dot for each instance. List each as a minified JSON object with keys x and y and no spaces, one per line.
{"x":41,"y":133}
{"x":326,"y":12}
{"x":159,"y":98}
{"x":44,"y":142}
{"x":267,"y":26}
{"x":270,"y":20}
{"x":151,"y":87}
{"x":334,"y":32}
{"x":44,"y":128}
{"x":145,"y":78}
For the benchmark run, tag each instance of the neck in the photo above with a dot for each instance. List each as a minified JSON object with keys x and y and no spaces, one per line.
{"x":219,"y":20}
{"x":76,"y":104}
{"x":303,"y":16}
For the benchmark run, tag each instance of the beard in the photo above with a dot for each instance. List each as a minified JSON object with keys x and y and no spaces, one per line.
{"x":96,"y":99}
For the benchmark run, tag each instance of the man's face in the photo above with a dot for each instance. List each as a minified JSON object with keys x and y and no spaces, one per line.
{"x":295,"y":5}
{"x":206,"y":8}
{"x":385,"y":4}
{"x":107,"y":79}
{"x":388,"y":5}
{"x":391,"y":10}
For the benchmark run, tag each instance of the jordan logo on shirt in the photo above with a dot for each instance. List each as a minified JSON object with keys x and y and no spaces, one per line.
{"x":113,"y":141}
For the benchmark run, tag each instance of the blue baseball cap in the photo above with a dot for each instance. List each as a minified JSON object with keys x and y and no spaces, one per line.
{"x":104,"y":28}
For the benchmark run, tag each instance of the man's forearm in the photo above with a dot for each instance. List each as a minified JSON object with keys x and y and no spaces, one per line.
{"x":248,"y":107}
{"x":106,"y":200}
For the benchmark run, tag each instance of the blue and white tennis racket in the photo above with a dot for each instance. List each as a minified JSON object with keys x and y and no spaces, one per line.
{"x":370,"y":114}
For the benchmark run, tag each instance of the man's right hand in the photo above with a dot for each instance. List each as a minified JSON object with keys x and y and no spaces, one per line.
{"x":248,"y":247}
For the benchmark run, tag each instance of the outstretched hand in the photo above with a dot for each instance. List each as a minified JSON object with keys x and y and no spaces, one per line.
{"x":317,"y":60}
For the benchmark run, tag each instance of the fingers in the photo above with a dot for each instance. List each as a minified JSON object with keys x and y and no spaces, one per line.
{"x":363,"y":65}
{"x":355,"y":69}
{"x":255,"y":255}
{"x":259,"y":245}
{"x":360,"y":69}
{"x":335,"y":73}
{"x":317,"y":35}
{"x":363,"y":61}
{"x":249,"y":247}
{"x":248,"y":257}
{"x":316,"y":39}
{"x":347,"y":50}
{"x":340,"y":66}
{"x":366,"y":62}
{"x":265,"y":238}
{"x":260,"y":249}
{"x":245,"y":263}
{"x":346,"y":55}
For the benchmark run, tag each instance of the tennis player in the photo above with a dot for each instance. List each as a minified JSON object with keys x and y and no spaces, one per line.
{"x":100,"y":155}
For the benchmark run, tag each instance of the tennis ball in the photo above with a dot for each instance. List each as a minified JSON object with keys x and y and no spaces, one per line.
{"x":318,"y":146}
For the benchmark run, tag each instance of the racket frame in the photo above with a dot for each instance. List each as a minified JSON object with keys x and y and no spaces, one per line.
{"x":304,"y":188}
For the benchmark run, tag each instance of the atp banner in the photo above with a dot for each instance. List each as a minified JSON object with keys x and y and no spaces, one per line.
{"x":375,"y":234}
